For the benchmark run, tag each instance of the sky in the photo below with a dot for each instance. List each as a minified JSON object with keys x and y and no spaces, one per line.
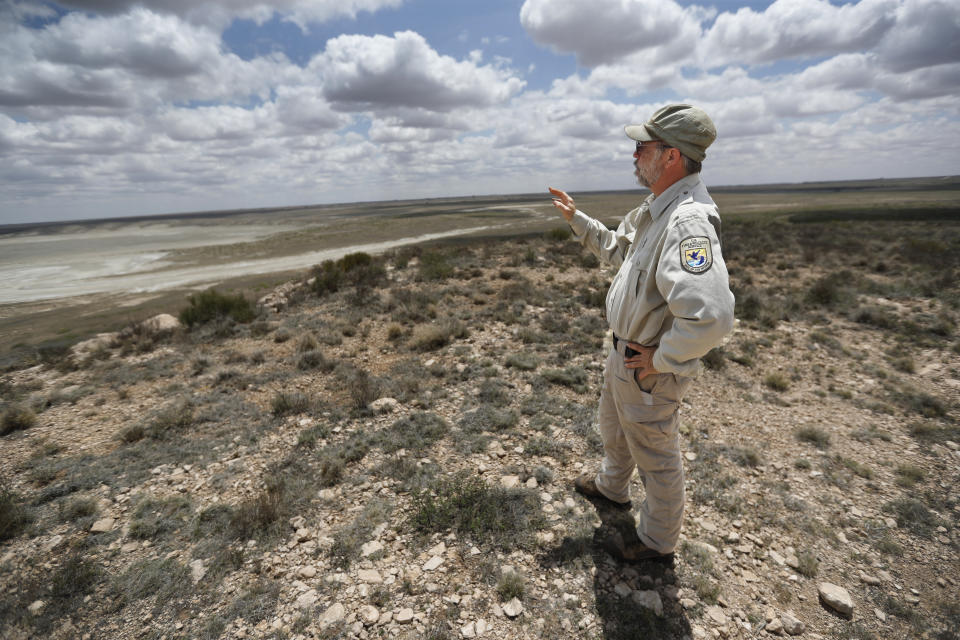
{"x":122,"y":107}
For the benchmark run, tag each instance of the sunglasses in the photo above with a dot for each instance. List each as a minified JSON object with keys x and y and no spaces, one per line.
{"x":646,"y":145}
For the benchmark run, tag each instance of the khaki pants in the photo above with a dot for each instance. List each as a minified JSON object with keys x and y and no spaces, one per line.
{"x":639,"y":428}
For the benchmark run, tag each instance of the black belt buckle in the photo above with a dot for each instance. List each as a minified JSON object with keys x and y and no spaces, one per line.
{"x":627,"y":351}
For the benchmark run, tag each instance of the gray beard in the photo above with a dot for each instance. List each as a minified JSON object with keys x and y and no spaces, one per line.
{"x":643,"y":177}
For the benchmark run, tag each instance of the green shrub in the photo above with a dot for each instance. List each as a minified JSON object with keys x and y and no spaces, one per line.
{"x":257,"y":603}
{"x":573,"y":377}
{"x":434,"y":266}
{"x":558,"y":234}
{"x":715,"y":359}
{"x":14,"y":517}
{"x":510,"y":586}
{"x":522,"y":361}
{"x":166,"y":579}
{"x":360,"y":270}
{"x":808,"y":564}
{"x":913,"y":399}
{"x":429,"y":337}
{"x":503,"y":518}
{"x":876,"y":317}
{"x":154,"y":518}
{"x":830,"y":290}
{"x":348,"y":540}
{"x":487,"y":418}
{"x":16,"y":418}
{"x":315,"y":359}
{"x":77,"y":509}
{"x":776,"y":381}
{"x":212,"y":305}
{"x":287,"y":403}
{"x":415,"y":432}
{"x":913,"y":515}
{"x":261,"y":514}
{"x":909,"y":475}
{"x":817,"y":437}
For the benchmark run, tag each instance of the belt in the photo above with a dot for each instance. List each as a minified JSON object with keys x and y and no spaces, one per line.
{"x":626,"y":351}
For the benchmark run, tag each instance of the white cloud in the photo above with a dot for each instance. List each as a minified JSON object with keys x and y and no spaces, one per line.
{"x":123,"y":63}
{"x":219,"y":13}
{"x":926,"y":34}
{"x":380,"y":72}
{"x":796,"y":29}
{"x":604,"y":31}
{"x":105,"y":109}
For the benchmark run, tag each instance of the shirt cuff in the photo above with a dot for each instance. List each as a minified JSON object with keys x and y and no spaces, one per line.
{"x":579,"y":223}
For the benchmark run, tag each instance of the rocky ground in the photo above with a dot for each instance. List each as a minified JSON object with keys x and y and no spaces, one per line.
{"x":388,"y":451}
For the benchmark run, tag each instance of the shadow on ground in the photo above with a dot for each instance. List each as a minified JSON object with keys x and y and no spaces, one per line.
{"x":622,"y":618}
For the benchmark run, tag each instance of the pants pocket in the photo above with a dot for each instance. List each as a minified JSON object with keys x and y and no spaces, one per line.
{"x":650,"y":409}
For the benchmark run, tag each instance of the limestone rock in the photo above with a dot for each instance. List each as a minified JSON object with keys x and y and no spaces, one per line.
{"x":384,"y":405}
{"x":369,"y":576}
{"x":405,"y":616}
{"x":510,"y":482}
{"x":370,"y":548}
{"x":433,"y":563}
{"x":36,"y":607}
{"x":102,"y":341}
{"x":369,"y":615}
{"x":307,"y":599}
{"x":791,"y":624}
{"x":102,"y":526}
{"x":837,"y":598}
{"x":716,"y":615}
{"x":775,"y":626}
{"x":334,"y":615}
{"x":197,"y":570}
{"x":307,"y":572}
{"x":869,"y":579}
{"x":161,"y":323}
{"x":649,"y":600}
{"x":513,"y":608}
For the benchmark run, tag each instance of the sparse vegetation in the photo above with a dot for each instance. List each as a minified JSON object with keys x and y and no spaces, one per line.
{"x":487,"y":515}
{"x":815,"y":436}
{"x":14,"y":516}
{"x":210,"y":305}
{"x":776,"y":381}
{"x":286,"y":403}
{"x":259,"y":454}
{"x":16,"y":418}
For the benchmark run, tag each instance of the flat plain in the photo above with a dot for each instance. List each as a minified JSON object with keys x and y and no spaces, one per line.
{"x":388,"y":449}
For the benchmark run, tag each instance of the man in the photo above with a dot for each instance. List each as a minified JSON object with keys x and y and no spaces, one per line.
{"x":668,"y":305}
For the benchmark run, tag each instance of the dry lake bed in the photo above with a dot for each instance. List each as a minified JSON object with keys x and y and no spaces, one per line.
{"x":64,"y":281}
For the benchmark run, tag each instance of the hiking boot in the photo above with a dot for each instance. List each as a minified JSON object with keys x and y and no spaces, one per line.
{"x":587,"y":485}
{"x":632,"y":551}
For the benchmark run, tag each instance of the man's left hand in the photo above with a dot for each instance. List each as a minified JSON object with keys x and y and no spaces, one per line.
{"x":642,"y":360}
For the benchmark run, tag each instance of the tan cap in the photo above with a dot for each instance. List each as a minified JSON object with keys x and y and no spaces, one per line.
{"x":685,"y":127}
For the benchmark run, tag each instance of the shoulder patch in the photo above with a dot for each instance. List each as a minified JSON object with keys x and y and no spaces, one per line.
{"x":695,"y":254}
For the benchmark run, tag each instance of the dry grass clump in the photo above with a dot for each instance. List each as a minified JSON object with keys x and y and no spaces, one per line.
{"x":502,"y":518}
{"x":429,"y":337}
{"x":14,"y":516}
{"x":211,"y":305}
{"x":815,"y":436}
{"x":16,"y":417}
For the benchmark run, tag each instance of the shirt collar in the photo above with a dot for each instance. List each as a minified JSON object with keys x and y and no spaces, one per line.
{"x":683,"y":186}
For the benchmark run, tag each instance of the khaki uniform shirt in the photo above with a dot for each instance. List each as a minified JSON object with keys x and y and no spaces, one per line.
{"x":672,"y":287}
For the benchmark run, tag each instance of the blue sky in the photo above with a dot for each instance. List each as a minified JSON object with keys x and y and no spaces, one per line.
{"x":118,"y":107}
